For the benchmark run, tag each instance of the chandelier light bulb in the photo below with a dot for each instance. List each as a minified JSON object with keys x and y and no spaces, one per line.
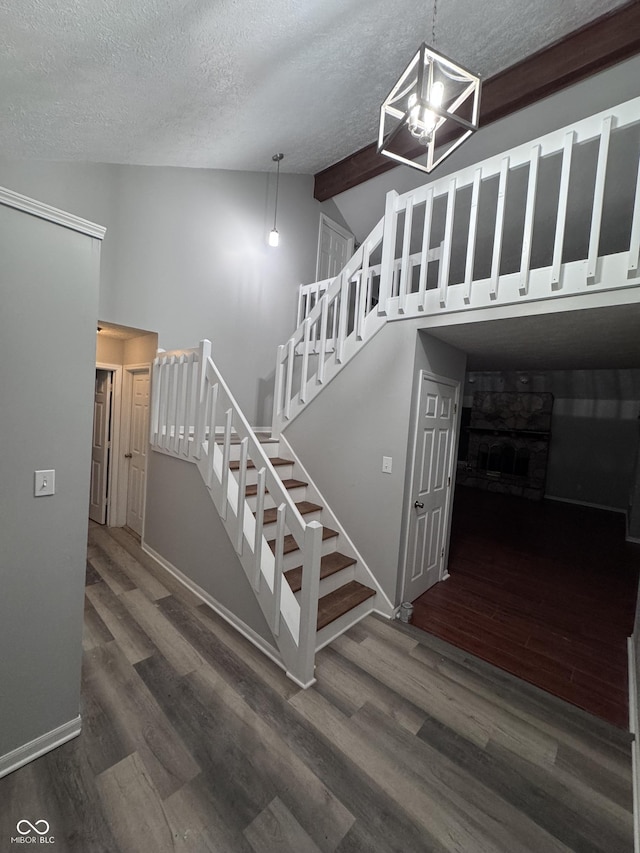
{"x":274,"y":238}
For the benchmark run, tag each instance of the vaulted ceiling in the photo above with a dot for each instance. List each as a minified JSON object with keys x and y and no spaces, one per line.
{"x":226,"y":84}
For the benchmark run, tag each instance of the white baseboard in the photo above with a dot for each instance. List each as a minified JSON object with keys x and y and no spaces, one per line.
{"x":35,"y":748}
{"x":634,"y":726}
{"x":240,"y":626}
{"x":585,"y":503}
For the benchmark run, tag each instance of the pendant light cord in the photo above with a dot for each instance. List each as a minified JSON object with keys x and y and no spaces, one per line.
{"x":433,"y":23}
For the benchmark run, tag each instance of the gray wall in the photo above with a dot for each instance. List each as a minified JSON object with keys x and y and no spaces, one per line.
{"x":361,"y":416}
{"x":182,"y":525}
{"x":185,"y":256}
{"x":49,"y":291}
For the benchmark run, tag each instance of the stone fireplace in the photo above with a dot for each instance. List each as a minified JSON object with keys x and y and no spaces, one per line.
{"x":508,"y":443}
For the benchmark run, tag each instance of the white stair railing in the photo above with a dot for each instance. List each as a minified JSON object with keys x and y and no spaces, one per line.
{"x":195,"y":417}
{"x":413,"y":277}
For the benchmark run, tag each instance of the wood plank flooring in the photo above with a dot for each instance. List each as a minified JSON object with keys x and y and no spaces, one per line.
{"x":545,"y":590}
{"x":193,"y":742}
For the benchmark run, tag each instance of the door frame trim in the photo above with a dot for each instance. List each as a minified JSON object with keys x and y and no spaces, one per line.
{"x":127,"y":395}
{"x":114,"y":457}
{"x":351,"y":240}
{"x":409,"y":484}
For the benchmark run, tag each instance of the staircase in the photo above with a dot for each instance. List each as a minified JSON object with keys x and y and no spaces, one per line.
{"x":308,"y":578}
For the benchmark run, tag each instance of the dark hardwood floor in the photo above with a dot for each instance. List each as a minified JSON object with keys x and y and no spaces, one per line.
{"x":194,"y":742}
{"x":543,"y":589}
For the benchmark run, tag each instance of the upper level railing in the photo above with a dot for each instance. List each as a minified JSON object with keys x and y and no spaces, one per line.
{"x":558,"y":216}
{"x":195,"y":417}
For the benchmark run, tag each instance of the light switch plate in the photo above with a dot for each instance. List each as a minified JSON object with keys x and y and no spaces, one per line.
{"x":386,"y":464}
{"x":45,"y":483}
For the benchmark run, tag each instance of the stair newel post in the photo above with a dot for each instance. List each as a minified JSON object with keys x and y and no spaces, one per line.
{"x":156,"y":384}
{"x":288,"y":390}
{"x":189,"y":416}
{"x":257,"y":547}
{"x":390,"y":229}
{"x":309,"y":594}
{"x":277,"y":391}
{"x":278,"y":569}
{"x":201,"y":396}
{"x":226,"y":459}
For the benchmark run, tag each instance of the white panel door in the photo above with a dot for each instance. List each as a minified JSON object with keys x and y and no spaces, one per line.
{"x":431,"y":486}
{"x":138,"y":443}
{"x":100,"y":447}
{"x":335,"y":247}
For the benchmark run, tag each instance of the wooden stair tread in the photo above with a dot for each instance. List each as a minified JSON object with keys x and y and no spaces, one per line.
{"x":303,"y":507}
{"x":290,"y":543}
{"x":329,"y":565}
{"x":288,"y":484}
{"x":341,"y":601}
{"x":276,"y":461}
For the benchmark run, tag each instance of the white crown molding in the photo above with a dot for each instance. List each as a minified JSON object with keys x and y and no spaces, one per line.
{"x":51,"y":214}
{"x":35,"y":748}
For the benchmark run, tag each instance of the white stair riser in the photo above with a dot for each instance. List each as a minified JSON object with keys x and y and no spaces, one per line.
{"x":294,"y":558}
{"x":285,"y":472}
{"x":269,"y":530}
{"x":297,"y":494}
{"x":346,"y":621}
{"x":334,"y":581}
{"x":270,"y":448}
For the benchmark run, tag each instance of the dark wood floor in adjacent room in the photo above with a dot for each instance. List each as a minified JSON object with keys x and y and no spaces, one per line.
{"x":543,"y":589}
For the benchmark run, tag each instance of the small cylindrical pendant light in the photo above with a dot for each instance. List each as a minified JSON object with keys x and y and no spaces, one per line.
{"x":274,"y":236}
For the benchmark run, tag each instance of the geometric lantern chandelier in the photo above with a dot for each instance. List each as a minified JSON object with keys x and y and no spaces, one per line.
{"x":436,"y":103}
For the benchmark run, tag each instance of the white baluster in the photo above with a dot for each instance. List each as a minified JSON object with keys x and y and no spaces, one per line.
{"x":529,"y":216}
{"x":171,"y":390}
{"x":445,"y":255}
{"x":189,"y":418}
{"x":226,"y":458}
{"x":306,"y":348}
{"x":179,"y":414}
{"x":424,"y":252}
{"x":242,"y":486}
{"x":388,"y":251}
{"x":471,"y":238}
{"x":497,"y":236}
{"x":257,"y":545}
{"x":634,"y":245}
{"x":598,"y":199}
{"x":154,"y":420}
{"x":343,"y":317}
{"x":406,"y":267}
{"x":360,"y":310}
{"x":279,"y":566}
{"x":324,"y":308}
{"x":563,"y":199}
{"x":212,"y":407}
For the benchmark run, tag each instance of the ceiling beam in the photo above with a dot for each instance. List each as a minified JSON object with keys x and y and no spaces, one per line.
{"x":602,"y":43}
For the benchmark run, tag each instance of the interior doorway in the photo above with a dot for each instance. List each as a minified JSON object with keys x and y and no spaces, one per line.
{"x":335,"y":247}
{"x":119,"y":453}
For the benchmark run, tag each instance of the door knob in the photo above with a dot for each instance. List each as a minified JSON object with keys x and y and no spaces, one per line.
{"x":418,"y":505}
{"x":128,"y":455}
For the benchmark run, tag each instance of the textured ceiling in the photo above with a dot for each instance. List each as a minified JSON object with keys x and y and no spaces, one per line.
{"x":226,"y":83}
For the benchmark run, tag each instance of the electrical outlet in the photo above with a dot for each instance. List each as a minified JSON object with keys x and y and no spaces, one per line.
{"x":44,"y":483}
{"x":386,"y":464}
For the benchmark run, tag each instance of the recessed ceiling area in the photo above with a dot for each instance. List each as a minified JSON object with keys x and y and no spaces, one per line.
{"x":592,"y":339}
{"x":225,"y":85}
